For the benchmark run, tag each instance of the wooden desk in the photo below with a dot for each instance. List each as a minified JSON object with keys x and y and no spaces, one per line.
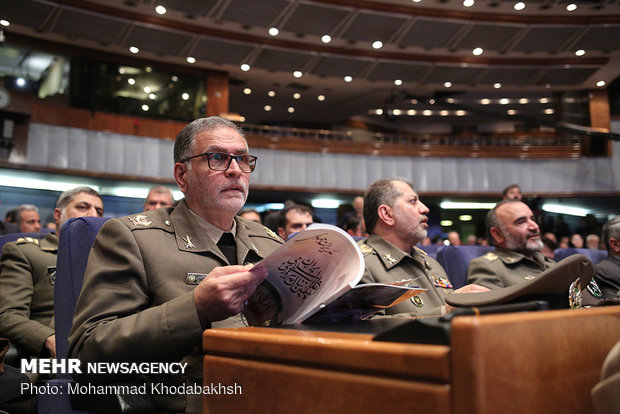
{"x":539,"y":362}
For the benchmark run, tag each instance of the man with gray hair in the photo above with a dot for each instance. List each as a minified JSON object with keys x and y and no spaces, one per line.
{"x":158,"y":196}
{"x":607,"y":272}
{"x":28,"y":218}
{"x":27,"y":278}
{"x":512,"y":229}
{"x":163,"y":276}
{"x":396,"y":220}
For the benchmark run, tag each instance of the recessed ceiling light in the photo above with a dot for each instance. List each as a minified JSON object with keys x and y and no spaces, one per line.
{"x":446,"y":223}
{"x":396,"y":112}
{"x":191,"y":59}
{"x":427,"y":112}
{"x":485,"y":101}
{"x":245,"y":67}
{"x":398,"y":82}
{"x":543,"y":100}
{"x":185,"y":96}
{"x":133,"y":49}
{"x":145,"y":108}
{"x":247,"y":91}
{"x":571,"y":7}
{"x":600,"y":83}
{"x":468,"y":3}
{"x":451,"y":100}
{"x":519,"y":6}
{"x":465,"y":217}
{"x":478,"y":51}
{"x":377,"y":44}
{"x":348,"y":78}
{"x":147,"y":89}
{"x":274,"y":31}
{"x":580,"y":52}
{"x":379,"y":112}
{"x":497,"y":85}
{"x":549,"y":111}
{"x":5,"y":23}
{"x":131,"y":81}
{"x":443,"y":112}
{"x":447,"y":84}
{"x":21,"y":82}
{"x":504,"y":101}
{"x":296,"y":95}
{"x":271,"y":94}
{"x":461,"y":112}
{"x":326,"y":38}
{"x":152,"y":96}
{"x":411,"y":112}
{"x":298,"y":74}
{"x":511,"y":112}
{"x":523,"y":101}
{"x":321,"y":98}
{"x":174,"y":78}
{"x":160,"y":9}
{"x":290,"y":109}
{"x":267,"y":108}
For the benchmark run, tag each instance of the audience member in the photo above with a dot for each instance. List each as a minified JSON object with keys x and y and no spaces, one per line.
{"x":512,"y":192}
{"x":161,"y":277}
{"x":28,"y":219}
{"x":607,"y":272}
{"x":593,"y":242}
{"x":27,"y":278}
{"x":576,"y":241}
{"x":517,"y":256}
{"x":354,"y":227}
{"x":52,"y":226}
{"x":471,"y":240}
{"x":454,"y":238}
{"x":250,"y":214}
{"x":158,"y":196}
{"x":293,"y":219}
{"x":564,"y":242}
{"x":549,"y":247}
{"x":11,"y":215}
{"x":397,"y":220}
{"x":550,"y":236}
{"x":358,"y":211}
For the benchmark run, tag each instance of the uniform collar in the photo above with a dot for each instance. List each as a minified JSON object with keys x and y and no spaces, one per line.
{"x":391,"y":255}
{"x":512,"y":257}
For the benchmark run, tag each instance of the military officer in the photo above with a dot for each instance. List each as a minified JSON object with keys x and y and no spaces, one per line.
{"x":607,"y":272}
{"x":517,"y":257}
{"x":396,"y":220}
{"x":27,"y":278}
{"x":163,"y":276}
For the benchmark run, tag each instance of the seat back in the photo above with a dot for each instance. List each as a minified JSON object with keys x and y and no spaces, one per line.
{"x":595,"y":256}
{"x":455,"y":261}
{"x":11,"y":237}
{"x":77,"y":236}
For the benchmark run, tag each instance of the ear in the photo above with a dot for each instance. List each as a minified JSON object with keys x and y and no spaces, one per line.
{"x":281,"y":233}
{"x":180,"y":171}
{"x":497,"y":235}
{"x":57,"y":214}
{"x":614,"y":244}
{"x":386,"y":214}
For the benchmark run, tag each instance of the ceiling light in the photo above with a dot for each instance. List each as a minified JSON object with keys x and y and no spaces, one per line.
{"x":20,"y":82}
{"x":523,"y":101}
{"x":519,"y":6}
{"x":431,"y":101}
{"x":468,"y":3}
{"x":461,"y":112}
{"x":131,"y":81}
{"x":5,"y":23}
{"x":174,"y":78}
{"x":273,"y":31}
{"x":325,"y":203}
{"x":562,"y":209}
{"x":543,"y":100}
{"x":267,"y":108}
{"x":504,"y":101}
{"x":485,"y":101}
{"x":148,"y":69}
{"x":549,"y":111}
{"x":147,"y":89}
{"x":245,"y":67}
{"x":478,"y":51}
{"x":416,"y":1}
{"x":185,"y":96}
{"x":298,"y":74}
{"x":348,"y":78}
{"x":133,"y":49}
{"x":443,"y":112}
{"x":271,"y":94}
{"x":191,"y":59}
{"x":247,"y":91}
{"x":446,"y":223}
{"x":511,"y":112}
{"x":571,"y":7}
{"x":396,"y":112}
{"x":379,"y":112}
{"x":580,"y":52}
{"x":465,"y":217}
{"x":547,"y":85}
{"x":455,"y":205}
{"x":447,"y":84}
{"x":290,"y":109}
{"x":145,"y":108}
{"x":296,"y":95}
{"x":600,"y":83}
{"x":497,"y":85}
{"x":451,"y":100}
{"x":326,"y":38}
{"x":411,"y":112}
{"x":321,"y":98}
{"x":160,"y":9}
{"x":377,"y":44}
{"x":398,"y":82}
{"x":152,"y":96}
{"x":427,"y":112}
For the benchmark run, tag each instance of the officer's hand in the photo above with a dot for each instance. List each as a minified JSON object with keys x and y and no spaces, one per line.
{"x":50,"y":345}
{"x":225,"y":290}
{"x":472,"y":289}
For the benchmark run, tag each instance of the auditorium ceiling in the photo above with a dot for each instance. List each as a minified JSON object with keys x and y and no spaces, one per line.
{"x":390,"y":63}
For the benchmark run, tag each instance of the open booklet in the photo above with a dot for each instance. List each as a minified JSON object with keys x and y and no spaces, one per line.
{"x":313,"y":278}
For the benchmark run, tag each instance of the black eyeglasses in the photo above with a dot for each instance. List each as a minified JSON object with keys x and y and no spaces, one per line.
{"x":219,"y":161}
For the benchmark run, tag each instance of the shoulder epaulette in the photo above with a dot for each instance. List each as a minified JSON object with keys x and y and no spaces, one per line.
{"x":140,"y":220}
{"x":366,"y":249}
{"x":272,"y":234}
{"x":490,"y":256}
{"x":23,"y":240}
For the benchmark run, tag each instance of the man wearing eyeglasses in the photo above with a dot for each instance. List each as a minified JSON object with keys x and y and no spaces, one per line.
{"x":157,"y":279}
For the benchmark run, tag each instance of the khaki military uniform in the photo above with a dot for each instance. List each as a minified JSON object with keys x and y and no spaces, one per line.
{"x":502,"y":268}
{"x":27,"y":292}
{"x":137,"y":301}
{"x":607,"y":276}
{"x":386,"y":263}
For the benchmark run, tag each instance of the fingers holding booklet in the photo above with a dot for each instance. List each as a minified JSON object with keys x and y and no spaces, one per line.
{"x":313,"y":278}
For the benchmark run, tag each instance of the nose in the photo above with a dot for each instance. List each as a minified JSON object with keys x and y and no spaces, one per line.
{"x":233,"y":169}
{"x":532,"y":225}
{"x":423,"y":209}
{"x":92,"y":212}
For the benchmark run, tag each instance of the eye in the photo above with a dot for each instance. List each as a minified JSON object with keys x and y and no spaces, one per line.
{"x":218,"y":156}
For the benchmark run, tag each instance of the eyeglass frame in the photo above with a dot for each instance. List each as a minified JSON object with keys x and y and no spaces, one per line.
{"x":207,"y":154}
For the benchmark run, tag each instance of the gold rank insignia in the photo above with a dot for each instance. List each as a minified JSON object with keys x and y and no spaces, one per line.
{"x":27,"y":240}
{"x":272,"y":234}
{"x":366,"y":249}
{"x":529,"y":277}
{"x":389,"y":258}
{"x":189,"y":244}
{"x":420,"y":251}
{"x":510,"y":259}
{"x":417,"y":301}
{"x":490,"y":256}
{"x":140,"y":220}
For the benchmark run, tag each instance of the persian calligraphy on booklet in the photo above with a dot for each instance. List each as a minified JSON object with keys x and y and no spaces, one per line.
{"x":313,"y":278}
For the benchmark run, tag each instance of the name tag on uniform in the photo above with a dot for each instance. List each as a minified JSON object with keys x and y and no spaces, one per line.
{"x":194,"y":278}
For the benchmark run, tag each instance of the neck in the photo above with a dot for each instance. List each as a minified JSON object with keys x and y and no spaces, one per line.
{"x":220,"y":219}
{"x":403,"y":245}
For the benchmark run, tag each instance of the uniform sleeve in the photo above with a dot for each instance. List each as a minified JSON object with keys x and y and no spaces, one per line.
{"x":482,"y":272}
{"x":114,"y":320}
{"x":16,"y":291}
{"x":606,"y":279}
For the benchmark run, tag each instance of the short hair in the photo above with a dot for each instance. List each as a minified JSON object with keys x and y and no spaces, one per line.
{"x":611,"y":229}
{"x":68,"y":196}
{"x":300,"y":208}
{"x":510,"y":187}
{"x":24,"y":207}
{"x":380,"y":192}
{"x":160,"y":189}
{"x":352,"y":223}
{"x":492,"y":220}
{"x":247,"y":210}
{"x":184,"y":143}
{"x":11,"y":215}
